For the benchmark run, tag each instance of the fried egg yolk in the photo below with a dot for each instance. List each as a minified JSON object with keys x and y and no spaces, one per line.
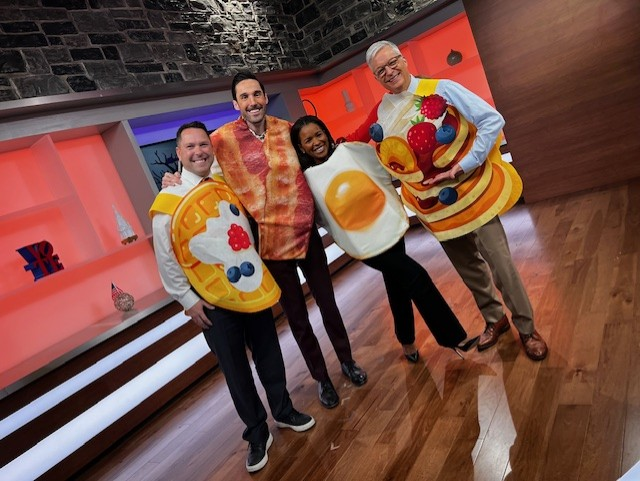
{"x":354,"y":200}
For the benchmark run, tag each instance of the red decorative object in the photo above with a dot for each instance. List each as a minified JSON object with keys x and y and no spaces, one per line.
{"x":238,"y":238}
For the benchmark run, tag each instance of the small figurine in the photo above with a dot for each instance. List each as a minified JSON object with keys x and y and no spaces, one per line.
{"x":123,"y":301}
{"x":124,"y":229}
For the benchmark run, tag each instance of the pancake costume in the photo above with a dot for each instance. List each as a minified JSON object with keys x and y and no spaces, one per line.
{"x":426,"y":130}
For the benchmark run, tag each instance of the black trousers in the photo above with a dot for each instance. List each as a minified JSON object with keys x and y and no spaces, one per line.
{"x":405,"y":280}
{"x":228,"y":337}
{"x":316,"y":272}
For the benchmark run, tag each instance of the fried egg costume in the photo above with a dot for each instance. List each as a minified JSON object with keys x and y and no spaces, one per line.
{"x":356,"y":200}
{"x":213,"y":244}
{"x":423,"y":136}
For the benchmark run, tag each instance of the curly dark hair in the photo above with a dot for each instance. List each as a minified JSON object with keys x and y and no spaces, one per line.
{"x":305,"y":160}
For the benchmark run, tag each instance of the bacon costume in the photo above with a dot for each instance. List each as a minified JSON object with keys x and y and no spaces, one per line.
{"x":266,"y":176}
{"x":261,"y":174}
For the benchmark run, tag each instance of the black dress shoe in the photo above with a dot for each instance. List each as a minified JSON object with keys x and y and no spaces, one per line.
{"x":327,"y":394}
{"x":413,"y":357}
{"x":257,"y":456}
{"x":354,"y":372}
{"x":297,"y":421}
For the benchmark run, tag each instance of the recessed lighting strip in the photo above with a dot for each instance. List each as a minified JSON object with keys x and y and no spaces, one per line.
{"x":69,"y":438}
{"x":65,"y":390}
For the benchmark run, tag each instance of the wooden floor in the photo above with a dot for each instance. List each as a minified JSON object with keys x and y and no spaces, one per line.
{"x":494,"y":416}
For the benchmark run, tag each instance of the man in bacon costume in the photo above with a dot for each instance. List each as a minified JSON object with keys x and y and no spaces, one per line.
{"x":441,"y":141}
{"x":261,"y":166}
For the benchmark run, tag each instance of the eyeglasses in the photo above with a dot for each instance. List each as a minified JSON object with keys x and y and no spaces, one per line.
{"x":392,"y":63}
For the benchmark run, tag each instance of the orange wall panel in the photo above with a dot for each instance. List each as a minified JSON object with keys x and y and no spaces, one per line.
{"x":98,"y":185}
{"x":63,"y":194}
{"x":28,"y":186}
{"x":61,"y":307}
{"x":438,"y":42}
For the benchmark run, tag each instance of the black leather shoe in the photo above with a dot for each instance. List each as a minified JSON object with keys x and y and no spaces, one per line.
{"x":411,"y":353}
{"x":327,"y":394}
{"x":354,"y":372}
{"x":297,"y":421}
{"x":257,"y":456}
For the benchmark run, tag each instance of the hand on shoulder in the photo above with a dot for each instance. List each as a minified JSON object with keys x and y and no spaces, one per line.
{"x":169,"y":179}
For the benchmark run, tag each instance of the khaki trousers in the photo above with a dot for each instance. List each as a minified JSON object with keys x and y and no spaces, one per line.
{"x":483,"y":260}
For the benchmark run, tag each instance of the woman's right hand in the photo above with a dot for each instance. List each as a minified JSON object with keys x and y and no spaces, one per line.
{"x":169,"y":179}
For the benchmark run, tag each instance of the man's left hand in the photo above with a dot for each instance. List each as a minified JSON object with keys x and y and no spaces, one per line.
{"x":450,"y":174}
{"x":197,"y":314}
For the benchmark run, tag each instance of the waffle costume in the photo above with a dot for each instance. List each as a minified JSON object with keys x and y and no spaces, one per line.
{"x":213,"y":245}
{"x":423,"y":134}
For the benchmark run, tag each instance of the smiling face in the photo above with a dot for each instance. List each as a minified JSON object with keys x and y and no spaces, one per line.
{"x":194,"y":151}
{"x":314,"y":142}
{"x":391,"y":70}
{"x":251,"y":101}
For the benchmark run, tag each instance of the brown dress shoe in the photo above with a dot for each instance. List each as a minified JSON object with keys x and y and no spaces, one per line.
{"x":534,"y":346}
{"x":492,"y":332}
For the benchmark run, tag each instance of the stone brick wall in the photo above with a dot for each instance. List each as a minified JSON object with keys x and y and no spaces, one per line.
{"x":50,"y":47}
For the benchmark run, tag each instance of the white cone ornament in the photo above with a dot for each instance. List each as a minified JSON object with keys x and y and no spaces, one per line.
{"x":124,"y":229}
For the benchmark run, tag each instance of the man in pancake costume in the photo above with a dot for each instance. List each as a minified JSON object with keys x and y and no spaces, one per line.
{"x":207,"y":262}
{"x":440,"y":140}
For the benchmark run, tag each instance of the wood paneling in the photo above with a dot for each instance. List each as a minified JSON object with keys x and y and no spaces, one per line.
{"x":566,"y":75}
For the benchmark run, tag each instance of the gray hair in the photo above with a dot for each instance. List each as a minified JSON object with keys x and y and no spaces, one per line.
{"x":376,"y":47}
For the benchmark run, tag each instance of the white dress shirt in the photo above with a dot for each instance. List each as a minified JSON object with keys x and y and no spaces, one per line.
{"x":173,"y":277}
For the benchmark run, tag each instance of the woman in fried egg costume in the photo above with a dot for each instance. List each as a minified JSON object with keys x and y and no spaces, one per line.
{"x":360,"y":208}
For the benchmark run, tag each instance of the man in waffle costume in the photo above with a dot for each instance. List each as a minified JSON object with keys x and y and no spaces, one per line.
{"x":441,"y":141}
{"x":206,"y":259}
